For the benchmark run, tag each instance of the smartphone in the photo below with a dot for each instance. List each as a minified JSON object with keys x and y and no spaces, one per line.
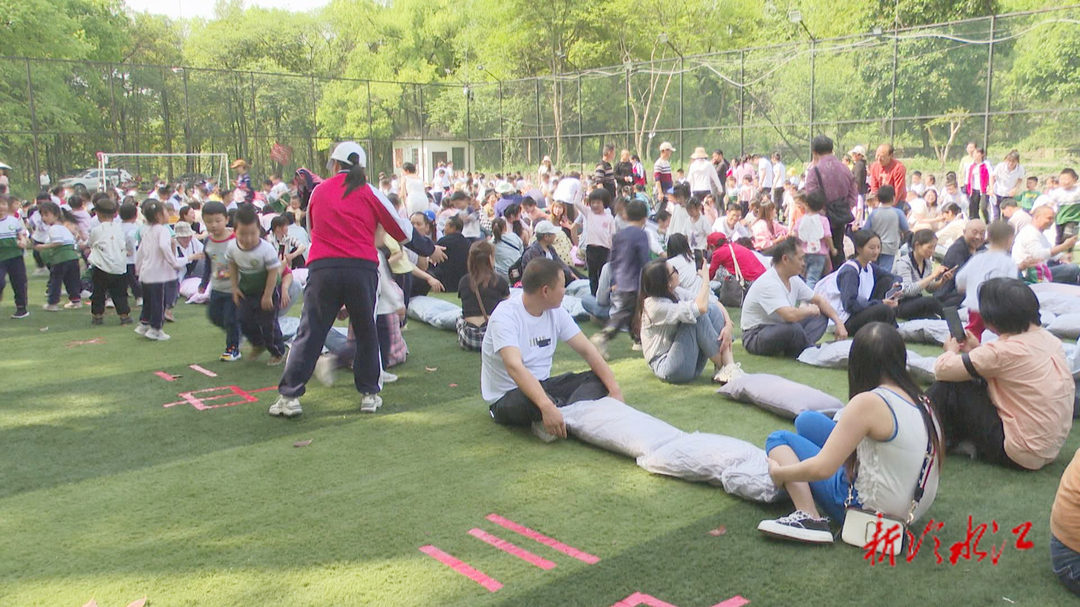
{"x":956,"y":328}
{"x":893,"y":292}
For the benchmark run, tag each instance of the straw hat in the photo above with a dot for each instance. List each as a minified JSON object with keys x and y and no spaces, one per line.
{"x":699,"y":154}
{"x":666,"y":146}
{"x":239,"y":163}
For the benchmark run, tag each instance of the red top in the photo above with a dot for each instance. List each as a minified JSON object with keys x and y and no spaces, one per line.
{"x":895,"y":175}
{"x":343,"y":227}
{"x":750,"y":266}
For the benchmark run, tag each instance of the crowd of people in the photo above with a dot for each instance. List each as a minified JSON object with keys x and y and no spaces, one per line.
{"x":838,"y":242}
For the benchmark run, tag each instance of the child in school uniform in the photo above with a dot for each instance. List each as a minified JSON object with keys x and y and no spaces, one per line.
{"x":129,"y":224}
{"x":62,"y":258}
{"x":108,"y":265}
{"x":13,"y":241}
{"x":156,"y":264}
{"x":220,"y":308}
{"x":254,"y":270}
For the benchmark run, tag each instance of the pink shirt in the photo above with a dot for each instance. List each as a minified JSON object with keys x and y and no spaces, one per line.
{"x":1031,"y":385}
{"x":599,"y":229}
{"x":763,"y":238}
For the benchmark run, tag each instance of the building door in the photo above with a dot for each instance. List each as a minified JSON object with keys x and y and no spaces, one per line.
{"x":459,"y":158}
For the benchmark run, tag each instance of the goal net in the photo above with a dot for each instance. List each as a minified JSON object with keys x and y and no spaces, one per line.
{"x":142,"y":170}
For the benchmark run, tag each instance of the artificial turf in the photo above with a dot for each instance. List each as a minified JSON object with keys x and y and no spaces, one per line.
{"x":106,"y":494}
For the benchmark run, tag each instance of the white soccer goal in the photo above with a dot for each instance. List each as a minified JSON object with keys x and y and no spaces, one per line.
{"x":120,"y":168}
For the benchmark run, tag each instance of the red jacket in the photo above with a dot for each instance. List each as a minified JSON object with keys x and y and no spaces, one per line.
{"x":895,"y":175}
{"x":749,"y":265}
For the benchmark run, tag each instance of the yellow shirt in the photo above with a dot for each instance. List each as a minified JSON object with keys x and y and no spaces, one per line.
{"x":402,"y":265}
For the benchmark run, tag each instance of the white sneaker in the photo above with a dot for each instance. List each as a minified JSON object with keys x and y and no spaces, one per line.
{"x":636,"y":347}
{"x":157,"y":335}
{"x":729,"y":373}
{"x":142,"y":328}
{"x":388,"y":377}
{"x":51,"y":307}
{"x":540,"y":432}
{"x":109,"y":303}
{"x":370,"y":403}
{"x":285,"y":407}
{"x":138,"y":301}
{"x":798,"y":526}
{"x":41,"y":272}
{"x":324,"y":369}
{"x":736,"y":372}
{"x":85,"y":294}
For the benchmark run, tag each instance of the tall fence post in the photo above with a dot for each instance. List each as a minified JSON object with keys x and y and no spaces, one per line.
{"x":742,"y":107}
{"x":895,"y":57}
{"x":813,"y":99}
{"x":254,"y":152}
{"x":539,"y":126}
{"x":502,"y":131}
{"x":423,"y":150}
{"x":580,"y":125}
{"x":168,"y":124}
{"x":682,"y":112}
{"x":188,"y":147}
{"x":33,"y":120}
{"x":315,"y":127}
{"x":989,"y":83}
{"x":370,"y":131}
{"x":630,"y":126}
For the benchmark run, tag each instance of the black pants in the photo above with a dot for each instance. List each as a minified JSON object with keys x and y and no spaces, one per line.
{"x":787,"y":339}
{"x":515,"y":409}
{"x":974,"y":205}
{"x":838,"y":231}
{"x":133,"y":282}
{"x":16,"y":269}
{"x":875,"y":313}
{"x":328,"y":288}
{"x":66,"y":273}
{"x":111,"y":285}
{"x":623,"y":308}
{"x":595,"y":258}
{"x":260,"y":326}
{"x":222,"y":313}
{"x":405,"y":281}
{"x":919,"y":307}
{"x":953,"y":298}
{"x":967,"y":413}
{"x":153,"y":310}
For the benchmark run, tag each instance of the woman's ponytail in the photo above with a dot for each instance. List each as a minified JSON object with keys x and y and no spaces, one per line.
{"x":357,"y":177}
{"x":497,"y":228}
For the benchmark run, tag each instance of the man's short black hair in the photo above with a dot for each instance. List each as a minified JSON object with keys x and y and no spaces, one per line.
{"x":733,"y":206}
{"x":214,"y":208}
{"x":786,"y":247}
{"x":821,"y":145}
{"x":541,"y":272}
{"x":1008,"y":305}
{"x":455,"y":222}
{"x":636,"y":210}
{"x":106,"y":207}
{"x":459,"y":195}
{"x":662,"y":216}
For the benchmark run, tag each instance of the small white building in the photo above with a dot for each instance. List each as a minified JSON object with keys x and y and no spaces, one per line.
{"x":427,"y":155}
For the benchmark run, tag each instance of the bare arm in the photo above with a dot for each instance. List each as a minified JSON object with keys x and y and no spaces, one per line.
{"x":531,"y":388}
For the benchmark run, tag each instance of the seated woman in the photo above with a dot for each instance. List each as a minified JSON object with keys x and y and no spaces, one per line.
{"x":681,"y":331}
{"x":1012,"y":398}
{"x":918,"y":274}
{"x":880,"y":441}
{"x":480,"y":292}
{"x":544,"y":235}
{"x":952,"y":225}
{"x":766,"y":231}
{"x":681,"y":257}
{"x":734,"y":258}
{"x":508,"y":247}
{"x":929,"y":218}
{"x":857,"y":290}
{"x":1065,"y":528}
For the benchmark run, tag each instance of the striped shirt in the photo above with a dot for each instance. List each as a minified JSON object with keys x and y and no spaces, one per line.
{"x":662,"y":174}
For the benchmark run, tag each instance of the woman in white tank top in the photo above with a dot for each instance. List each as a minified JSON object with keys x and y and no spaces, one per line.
{"x":412,"y":190}
{"x":880,"y":441}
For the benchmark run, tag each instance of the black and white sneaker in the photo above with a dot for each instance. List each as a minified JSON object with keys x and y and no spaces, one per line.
{"x":800,"y":527}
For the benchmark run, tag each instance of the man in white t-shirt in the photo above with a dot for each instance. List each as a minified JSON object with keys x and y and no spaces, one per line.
{"x":1032,"y":244}
{"x":515,"y":375}
{"x":778,"y":173}
{"x":765,"y":173}
{"x":781,"y":316}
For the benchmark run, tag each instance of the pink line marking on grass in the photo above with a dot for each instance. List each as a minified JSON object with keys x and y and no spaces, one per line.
{"x":639,"y":598}
{"x":584,"y":557}
{"x":463,"y":568}
{"x":165,"y":376}
{"x":205,"y":372}
{"x":263,"y":389}
{"x":735,"y":601}
{"x":511,"y":549}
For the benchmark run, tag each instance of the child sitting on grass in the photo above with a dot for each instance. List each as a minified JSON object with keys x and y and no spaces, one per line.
{"x":59,"y":253}
{"x":254,"y":269}
{"x":108,"y":265}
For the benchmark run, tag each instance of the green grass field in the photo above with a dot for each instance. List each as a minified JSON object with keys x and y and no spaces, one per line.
{"x":106,"y":494}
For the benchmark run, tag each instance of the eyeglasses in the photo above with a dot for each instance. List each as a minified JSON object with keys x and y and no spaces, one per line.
{"x":673,"y":272}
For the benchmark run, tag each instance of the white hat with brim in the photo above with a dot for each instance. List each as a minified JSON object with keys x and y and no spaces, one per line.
{"x":343,"y":151}
{"x":699,"y":154}
{"x":504,"y":188}
{"x":182,"y":229}
{"x":545,"y":227}
{"x":667,"y":146}
{"x":859,"y":149}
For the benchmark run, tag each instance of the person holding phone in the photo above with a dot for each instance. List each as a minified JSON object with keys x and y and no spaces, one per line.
{"x":920,"y":275}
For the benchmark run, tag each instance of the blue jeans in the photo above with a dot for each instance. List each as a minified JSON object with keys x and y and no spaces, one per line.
{"x":1066,"y":564}
{"x":593,"y":308}
{"x":885,"y":262}
{"x":812,"y":429}
{"x":693,"y":346}
{"x":815,"y":266}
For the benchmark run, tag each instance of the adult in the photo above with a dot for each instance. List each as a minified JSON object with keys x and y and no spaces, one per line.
{"x":343,"y":270}
{"x":44,"y":180}
{"x":624,"y":170}
{"x":957,"y":255}
{"x":887,"y":441}
{"x":481,"y":291}
{"x":1007,"y":178}
{"x":887,"y":170}
{"x":930,"y":219}
{"x":833,"y":179}
{"x":1065,"y":528}
{"x":917,"y":271}
{"x":978,"y":186}
{"x":515,"y":375}
{"x":456,"y":248}
{"x":1011,"y":398}
{"x":722,"y":167}
{"x":735,"y":258}
{"x":243,"y":177}
{"x":779,"y":172}
{"x":509,"y":246}
{"x":1032,"y":243}
{"x":545,"y":168}
{"x":411,"y":190}
{"x":702,"y":177}
{"x":662,"y":170}
{"x":681,"y":331}
{"x":507,"y":196}
{"x":765,"y":175}
{"x":766,"y":230}
{"x":858,"y":170}
{"x":604,"y":174}
{"x":543,"y":247}
{"x":1011,"y":212}
{"x":781,"y":316}
{"x":569,"y":191}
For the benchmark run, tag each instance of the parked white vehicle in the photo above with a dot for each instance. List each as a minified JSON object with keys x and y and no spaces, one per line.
{"x":91,"y":179}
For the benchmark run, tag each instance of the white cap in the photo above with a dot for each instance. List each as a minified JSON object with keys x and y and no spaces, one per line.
{"x":859,"y":149}
{"x":545,"y":227}
{"x":343,"y":151}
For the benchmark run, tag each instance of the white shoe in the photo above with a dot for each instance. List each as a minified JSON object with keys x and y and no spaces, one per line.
{"x":157,"y":335}
{"x":41,"y":272}
{"x":324,"y":369}
{"x":370,"y":403}
{"x":388,"y":377}
{"x":138,"y":301}
{"x":73,"y":305}
{"x":142,"y":328}
{"x":540,"y":432}
{"x":85,"y":294}
{"x":636,"y":347}
{"x":51,"y":307}
{"x":729,"y":373}
{"x":285,"y":407}
{"x":109,"y":303}
{"x":798,"y":526}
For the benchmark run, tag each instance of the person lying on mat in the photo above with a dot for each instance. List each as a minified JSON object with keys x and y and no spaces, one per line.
{"x":880,"y":440}
{"x":515,"y":375}
{"x":1012,"y":398}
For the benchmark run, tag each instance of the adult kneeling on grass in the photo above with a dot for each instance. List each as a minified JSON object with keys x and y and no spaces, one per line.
{"x":773,"y":322}
{"x":515,"y":376}
{"x":1011,"y":398}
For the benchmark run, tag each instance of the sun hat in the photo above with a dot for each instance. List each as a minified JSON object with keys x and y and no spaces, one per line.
{"x":667,"y":146}
{"x":238,"y":163}
{"x":182,"y":229}
{"x":504,"y":188}
{"x":545,"y":227}
{"x":699,"y":154}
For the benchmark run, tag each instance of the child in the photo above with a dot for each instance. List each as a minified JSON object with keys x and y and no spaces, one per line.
{"x":156,"y":264}
{"x":82,"y":217}
{"x":995,"y":262}
{"x":1066,"y":199}
{"x":917,"y":184}
{"x":13,"y":242}
{"x":658,"y":234}
{"x":698,"y":233}
{"x":599,"y":230}
{"x":220,"y":309}
{"x":889,"y":223}
{"x":1026,"y":199}
{"x":289,"y":249}
{"x":129,"y":216}
{"x":254,"y":269}
{"x":815,"y":235}
{"x":630,"y":253}
{"x":746,"y":193}
{"x":108,"y":265}
{"x":39,"y":232}
{"x":61,"y":257}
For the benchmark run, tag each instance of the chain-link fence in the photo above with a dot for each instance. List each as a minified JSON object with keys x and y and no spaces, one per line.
{"x":1005,"y":81}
